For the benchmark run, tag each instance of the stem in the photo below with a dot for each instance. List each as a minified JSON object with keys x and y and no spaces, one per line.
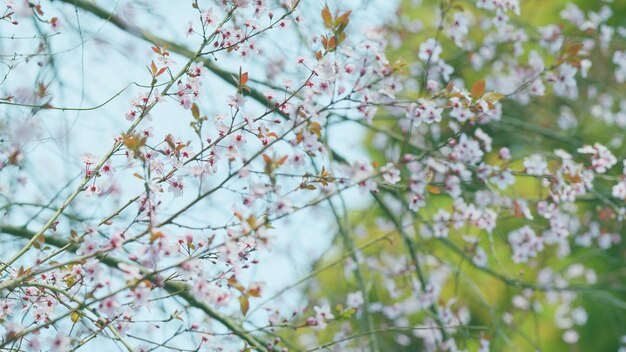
{"x":176,"y":288}
{"x":112,"y":150}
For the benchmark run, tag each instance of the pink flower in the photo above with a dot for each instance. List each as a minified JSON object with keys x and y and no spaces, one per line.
{"x":89,"y":159}
{"x":109,"y":306}
{"x":298,"y":160}
{"x":185,"y":102}
{"x":60,"y":343}
{"x":189,"y":29}
{"x":236,"y":101}
{"x":207,"y":17}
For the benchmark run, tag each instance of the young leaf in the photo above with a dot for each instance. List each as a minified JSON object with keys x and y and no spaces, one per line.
{"x":433,"y":189}
{"x":155,"y":235}
{"x":328,"y":17}
{"x":195,"y":111}
{"x":493,"y":97}
{"x":244,"y":304}
{"x":342,"y":21}
{"x":332,"y":44}
{"x":478,"y":89}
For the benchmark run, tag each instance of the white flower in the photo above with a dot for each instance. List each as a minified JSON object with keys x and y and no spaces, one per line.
{"x":564,"y":81}
{"x":417,"y":201}
{"x":484,"y":345}
{"x":602,"y":159}
{"x":536,"y":165}
{"x":459,"y":27}
{"x":619,"y":190}
{"x":483,"y":137}
{"x":570,"y":337}
{"x":619,"y":58}
{"x":453,"y":186}
{"x":236,"y":101}
{"x":430,"y":51}
{"x":326,"y":71}
{"x":480,"y":257}
{"x":89,"y":159}
{"x":390,"y":174}
{"x":503,"y":178}
{"x":426,"y":111}
{"x":566,"y":120}
{"x":442,"y":223}
{"x":355,"y":299}
{"x":322,"y":314}
{"x":504,"y":153}
{"x":468,"y":150}
{"x":525,"y":244}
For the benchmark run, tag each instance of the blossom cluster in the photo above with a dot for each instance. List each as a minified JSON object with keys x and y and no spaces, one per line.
{"x":492,"y":166}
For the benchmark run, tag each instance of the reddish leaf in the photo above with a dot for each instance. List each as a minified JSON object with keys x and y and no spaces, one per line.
{"x":342,"y":21}
{"x":332,"y":44}
{"x":433,"y":189}
{"x":156,"y":235}
{"x":478,"y":89}
{"x":282,"y":160}
{"x":254,"y":290}
{"x":573,"y":48}
{"x":153,"y":68}
{"x":38,"y":9}
{"x":325,"y":42}
{"x":243,"y":79}
{"x":328,"y":17}
{"x":41,"y":90}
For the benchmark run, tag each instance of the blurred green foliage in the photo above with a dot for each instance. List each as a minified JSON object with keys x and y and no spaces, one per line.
{"x":532,"y":128}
